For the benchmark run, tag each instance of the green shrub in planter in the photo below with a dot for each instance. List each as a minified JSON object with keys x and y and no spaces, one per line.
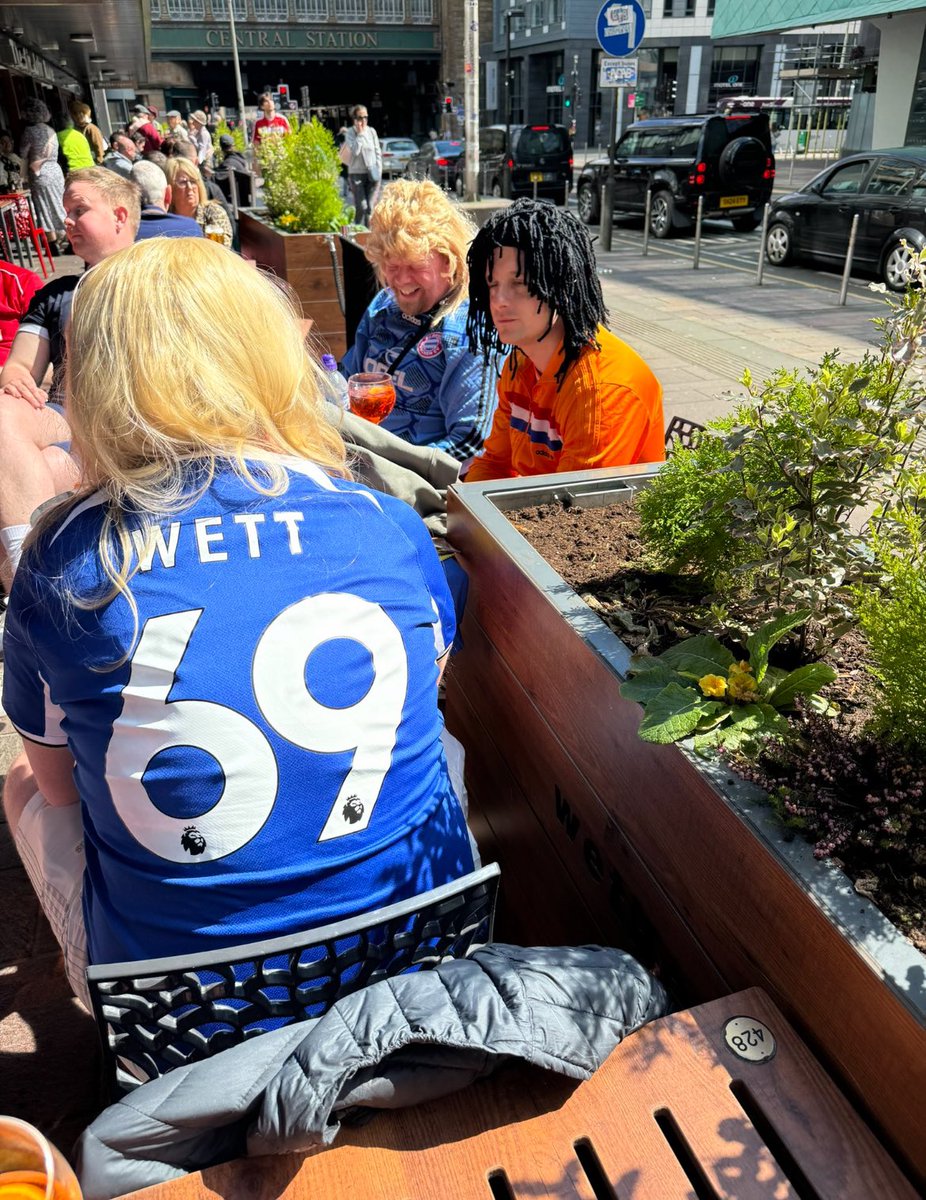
{"x":302,"y":181}
{"x":893,"y":619}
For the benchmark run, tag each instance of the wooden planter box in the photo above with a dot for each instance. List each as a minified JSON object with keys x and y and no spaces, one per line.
{"x":304,"y":261}
{"x":604,"y":837}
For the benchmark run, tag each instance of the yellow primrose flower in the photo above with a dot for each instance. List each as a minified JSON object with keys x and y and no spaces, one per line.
{"x":713,"y":685}
{"x":740,"y":668}
{"x":742,"y":687}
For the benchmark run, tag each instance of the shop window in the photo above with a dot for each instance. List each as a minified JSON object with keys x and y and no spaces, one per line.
{"x":155,"y":10}
{"x":422,"y":12}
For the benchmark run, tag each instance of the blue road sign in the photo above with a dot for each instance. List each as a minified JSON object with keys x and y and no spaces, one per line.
{"x":620,"y":27}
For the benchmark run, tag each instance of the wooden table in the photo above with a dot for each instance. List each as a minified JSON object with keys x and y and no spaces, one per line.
{"x":676,"y":1112}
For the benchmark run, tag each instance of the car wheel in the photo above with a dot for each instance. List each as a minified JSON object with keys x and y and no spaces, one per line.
{"x":896,"y":268}
{"x":662,"y":214}
{"x":745,"y":223}
{"x":779,"y":247}
{"x":589,"y":204}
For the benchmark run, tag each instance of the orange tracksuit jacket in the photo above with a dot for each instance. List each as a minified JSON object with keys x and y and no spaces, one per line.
{"x":608,"y":413}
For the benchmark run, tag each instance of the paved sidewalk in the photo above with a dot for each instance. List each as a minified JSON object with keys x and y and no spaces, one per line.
{"x":699,"y":329}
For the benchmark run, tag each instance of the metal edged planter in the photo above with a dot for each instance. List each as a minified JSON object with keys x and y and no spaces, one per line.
{"x":604,"y":837}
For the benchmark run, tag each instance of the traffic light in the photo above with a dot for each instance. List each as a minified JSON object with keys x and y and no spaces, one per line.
{"x":567,"y":100}
{"x":448,"y":104}
{"x":283,"y":89}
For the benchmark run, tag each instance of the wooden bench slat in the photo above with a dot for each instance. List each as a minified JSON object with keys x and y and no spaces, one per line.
{"x":527,"y":1123}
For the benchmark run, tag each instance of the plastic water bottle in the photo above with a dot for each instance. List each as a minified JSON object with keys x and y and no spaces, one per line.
{"x":337,"y":384}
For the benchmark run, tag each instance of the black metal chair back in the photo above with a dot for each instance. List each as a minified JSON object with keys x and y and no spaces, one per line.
{"x":159,"y":1014}
{"x":681,"y":432}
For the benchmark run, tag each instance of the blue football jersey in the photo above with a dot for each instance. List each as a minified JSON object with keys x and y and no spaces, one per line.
{"x":266,"y":756}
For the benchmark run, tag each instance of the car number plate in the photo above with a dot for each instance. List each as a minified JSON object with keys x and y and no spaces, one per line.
{"x":537,"y":177}
{"x":734,"y":201}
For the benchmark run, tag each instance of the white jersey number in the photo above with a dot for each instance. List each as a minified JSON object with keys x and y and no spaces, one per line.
{"x":150,"y":723}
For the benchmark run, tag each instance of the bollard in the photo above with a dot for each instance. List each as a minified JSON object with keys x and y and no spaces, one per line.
{"x":567,"y":190}
{"x":647,"y":212}
{"x":696,"y":261}
{"x":760,"y":269}
{"x":535,"y":189}
{"x":446,"y":171}
{"x":844,"y":290}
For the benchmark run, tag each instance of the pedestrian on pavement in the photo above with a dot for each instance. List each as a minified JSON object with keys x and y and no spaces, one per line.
{"x":39,"y":151}
{"x":143,"y":124}
{"x":199,"y":136}
{"x":83,"y":120}
{"x":571,"y":395}
{"x":270,"y":122}
{"x":362,"y":154}
{"x":121,"y":154}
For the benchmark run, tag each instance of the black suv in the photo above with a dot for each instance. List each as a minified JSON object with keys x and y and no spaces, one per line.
{"x":541,"y":155}
{"x":726,"y":158}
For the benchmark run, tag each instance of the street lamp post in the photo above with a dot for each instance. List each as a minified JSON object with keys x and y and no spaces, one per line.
{"x":511,"y":12}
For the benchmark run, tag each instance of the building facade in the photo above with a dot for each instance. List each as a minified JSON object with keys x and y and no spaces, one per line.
{"x":682,"y":68}
{"x":899,"y":116}
{"x":329,"y":54}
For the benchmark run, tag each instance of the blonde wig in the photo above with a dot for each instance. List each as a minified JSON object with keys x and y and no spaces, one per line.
{"x":116,"y":190}
{"x":413,"y":219}
{"x":177,"y":165}
{"x":158,"y":402}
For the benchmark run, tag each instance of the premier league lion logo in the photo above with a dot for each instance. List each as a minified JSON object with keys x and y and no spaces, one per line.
{"x":353,"y":810}
{"x":193,"y":841}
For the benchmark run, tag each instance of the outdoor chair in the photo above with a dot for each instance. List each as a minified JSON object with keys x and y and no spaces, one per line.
{"x":26,"y":229}
{"x":159,"y":1014}
{"x":681,"y":432}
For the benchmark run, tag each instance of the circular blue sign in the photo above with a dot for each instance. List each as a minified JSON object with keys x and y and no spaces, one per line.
{"x":620,"y":27}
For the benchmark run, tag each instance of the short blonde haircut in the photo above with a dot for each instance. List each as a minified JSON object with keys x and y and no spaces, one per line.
{"x":158,"y":401}
{"x":177,"y":165}
{"x":118,"y":191}
{"x":413,"y":219}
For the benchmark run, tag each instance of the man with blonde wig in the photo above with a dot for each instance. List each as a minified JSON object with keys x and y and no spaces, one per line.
{"x":102,"y":213}
{"x":415,"y":328}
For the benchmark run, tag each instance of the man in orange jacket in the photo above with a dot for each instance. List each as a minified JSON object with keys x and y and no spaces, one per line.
{"x":571,"y":394}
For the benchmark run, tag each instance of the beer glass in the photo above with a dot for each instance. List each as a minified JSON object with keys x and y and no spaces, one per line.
{"x":31,"y":1168}
{"x":371,"y":395}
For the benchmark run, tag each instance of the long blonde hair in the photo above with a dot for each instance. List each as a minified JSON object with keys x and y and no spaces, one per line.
{"x":158,"y":395}
{"x":411,"y":220}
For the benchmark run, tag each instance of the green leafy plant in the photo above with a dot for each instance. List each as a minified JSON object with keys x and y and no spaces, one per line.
{"x":682,"y":513}
{"x":302,"y":180}
{"x":766,"y":505}
{"x":892,"y":616}
{"x":700,"y":688}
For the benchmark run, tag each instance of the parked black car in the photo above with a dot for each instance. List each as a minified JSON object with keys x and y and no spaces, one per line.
{"x":725,"y":157}
{"x":887,"y":188}
{"x":541,"y":156}
{"x":438,"y":161}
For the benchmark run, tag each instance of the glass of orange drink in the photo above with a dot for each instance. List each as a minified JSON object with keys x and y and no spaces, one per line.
{"x":371,"y":395}
{"x":31,"y":1168}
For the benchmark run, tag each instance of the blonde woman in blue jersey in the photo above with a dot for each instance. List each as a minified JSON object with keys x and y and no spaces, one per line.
{"x":222,"y":653}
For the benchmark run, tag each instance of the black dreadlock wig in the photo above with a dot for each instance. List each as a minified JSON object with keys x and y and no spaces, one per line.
{"x":557,"y":263}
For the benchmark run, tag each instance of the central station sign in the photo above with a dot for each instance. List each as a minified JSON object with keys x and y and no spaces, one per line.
{"x":211,"y":41}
